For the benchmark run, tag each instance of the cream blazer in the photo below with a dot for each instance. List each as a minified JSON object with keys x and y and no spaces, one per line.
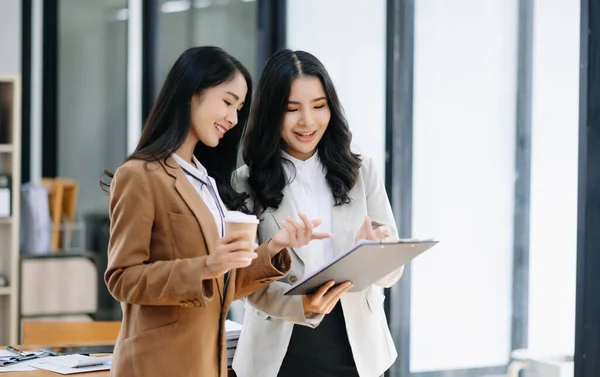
{"x":270,"y":316}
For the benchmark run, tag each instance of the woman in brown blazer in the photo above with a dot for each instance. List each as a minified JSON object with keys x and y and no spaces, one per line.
{"x":169,"y":264}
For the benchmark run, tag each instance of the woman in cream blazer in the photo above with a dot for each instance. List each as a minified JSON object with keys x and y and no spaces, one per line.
{"x":298,"y":156}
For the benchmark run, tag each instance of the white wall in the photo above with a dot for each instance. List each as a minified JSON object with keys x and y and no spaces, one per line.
{"x":350,"y":40}
{"x":463,"y":188}
{"x":555,"y":109}
{"x":10,"y":42}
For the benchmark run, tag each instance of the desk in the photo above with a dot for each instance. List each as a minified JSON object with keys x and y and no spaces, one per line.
{"x":45,"y":373}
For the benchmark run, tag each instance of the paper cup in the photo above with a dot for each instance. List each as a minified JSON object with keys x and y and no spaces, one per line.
{"x":236,"y":221}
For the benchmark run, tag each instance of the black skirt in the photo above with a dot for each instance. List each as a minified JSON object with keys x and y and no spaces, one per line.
{"x":321,"y":352}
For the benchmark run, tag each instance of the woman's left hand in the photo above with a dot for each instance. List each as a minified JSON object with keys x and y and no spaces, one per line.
{"x":372,"y":231}
{"x":296,"y":233}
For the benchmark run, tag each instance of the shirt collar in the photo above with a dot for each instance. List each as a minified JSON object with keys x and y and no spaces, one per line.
{"x":199,"y":171}
{"x":308,"y":165}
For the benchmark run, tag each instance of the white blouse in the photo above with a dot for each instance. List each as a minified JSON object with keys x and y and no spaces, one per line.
{"x":310,"y":193}
{"x":199,"y":178}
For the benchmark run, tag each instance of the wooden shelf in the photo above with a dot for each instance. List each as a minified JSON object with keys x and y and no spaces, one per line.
{"x":5,"y":291}
{"x":10,"y":156}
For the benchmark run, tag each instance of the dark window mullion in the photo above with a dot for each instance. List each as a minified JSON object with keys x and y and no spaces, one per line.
{"x":398,"y":172}
{"x":587,"y":322}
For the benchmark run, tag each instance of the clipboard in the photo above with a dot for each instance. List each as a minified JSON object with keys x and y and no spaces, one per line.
{"x":364,"y":264}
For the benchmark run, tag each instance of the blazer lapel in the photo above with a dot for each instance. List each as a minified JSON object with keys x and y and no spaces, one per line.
{"x":341,"y":223}
{"x":195,"y":203}
{"x":285,"y":210}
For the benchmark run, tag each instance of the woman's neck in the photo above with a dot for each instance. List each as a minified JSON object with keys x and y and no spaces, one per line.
{"x":186,"y":150}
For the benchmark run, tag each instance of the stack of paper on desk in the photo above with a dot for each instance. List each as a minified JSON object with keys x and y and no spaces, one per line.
{"x":232,"y":334}
{"x":9,"y":362}
{"x":72,"y":364}
{"x":20,"y":367}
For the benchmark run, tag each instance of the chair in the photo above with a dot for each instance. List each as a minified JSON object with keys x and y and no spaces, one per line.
{"x":61,"y":332}
{"x":62,"y":198}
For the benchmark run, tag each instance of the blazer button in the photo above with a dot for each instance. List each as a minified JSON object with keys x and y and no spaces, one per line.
{"x":293,"y":278}
{"x":196,"y":303}
{"x":183,"y":304}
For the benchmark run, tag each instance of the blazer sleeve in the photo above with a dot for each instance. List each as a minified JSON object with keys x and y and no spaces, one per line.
{"x":130,"y":276}
{"x":379,"y":209}
{"x":263,"y":271}
{"x":272,"y":301}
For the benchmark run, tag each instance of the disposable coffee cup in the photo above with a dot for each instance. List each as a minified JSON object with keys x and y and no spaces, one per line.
{"x":236,"y":221}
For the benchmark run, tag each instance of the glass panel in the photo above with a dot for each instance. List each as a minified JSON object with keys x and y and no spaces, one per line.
{"x":463,"y":188}
{"x":554,"y":159}
{"x":464,"y":180}
{"x":229,"y":24}
{"x":360,"y":37}
{"x":360,"y":43}
{"x":92,"y":107}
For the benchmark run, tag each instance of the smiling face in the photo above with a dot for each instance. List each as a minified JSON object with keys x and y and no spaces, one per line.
{"x":215,"y":111}
{"x":306,"y":117}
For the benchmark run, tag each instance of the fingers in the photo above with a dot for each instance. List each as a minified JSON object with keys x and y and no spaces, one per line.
{"x":366,"y":232}
{"x":302,"y":232}
{"x":336,"y":293}
{"x":306,"y":229}
{"x":291,"y":232}
{"x":237,"y":246}
{"x":321,"y":235}
{"x":367,"y":223}
{"x":326,"y":297}
{"x":321,"y":291}
{"x":297,"y":230}
{"x":239,"y":256}
{"x":297,"y":225}
{"x":375,"y":224}
{"x":308,"y":225}
{"x":339,"y":290}
{"x":380,"y":230}
{"x":363,"y":232}
{"x":331,"y":298}
{"x":217,"y":264}
{"x":316,"y":222}
{"x":369,"y":232}
{"x":383,"y":232}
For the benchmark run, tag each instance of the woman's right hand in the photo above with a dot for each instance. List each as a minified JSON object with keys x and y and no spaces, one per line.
{"x":231,"y":252}
{"x":296,"y":233}
{"x":324,"y":300}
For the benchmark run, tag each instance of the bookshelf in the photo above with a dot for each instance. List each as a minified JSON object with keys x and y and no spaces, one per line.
{"x":10,"y":165}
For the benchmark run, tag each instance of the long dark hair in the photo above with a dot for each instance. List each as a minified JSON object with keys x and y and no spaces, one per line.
{"x":168,"y":123}
{"x":262,"y":142}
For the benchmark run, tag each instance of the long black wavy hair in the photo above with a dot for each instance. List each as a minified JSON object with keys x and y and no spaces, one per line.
{"x":168,"y":124}
{"x":263,"y":142}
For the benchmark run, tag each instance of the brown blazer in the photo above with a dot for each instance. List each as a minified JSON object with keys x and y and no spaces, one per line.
{"x":161,"y":232}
